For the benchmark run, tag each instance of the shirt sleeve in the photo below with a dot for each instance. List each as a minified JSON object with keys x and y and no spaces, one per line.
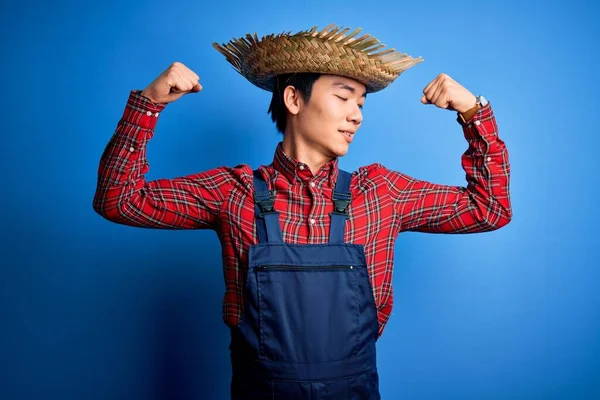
{"x":124,"y":196}
{"x":482,"y":205}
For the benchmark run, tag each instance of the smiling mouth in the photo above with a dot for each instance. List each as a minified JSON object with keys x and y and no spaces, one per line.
{"x":347,"y":135}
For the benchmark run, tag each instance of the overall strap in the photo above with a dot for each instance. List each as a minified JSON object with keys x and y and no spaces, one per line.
{"x":341,"y":200}
{"x":267,"y":219}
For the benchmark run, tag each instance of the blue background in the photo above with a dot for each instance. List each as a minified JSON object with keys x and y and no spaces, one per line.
{"x":95,"y":310}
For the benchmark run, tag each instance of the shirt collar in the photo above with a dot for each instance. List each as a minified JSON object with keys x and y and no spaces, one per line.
{"x":296,"y":171}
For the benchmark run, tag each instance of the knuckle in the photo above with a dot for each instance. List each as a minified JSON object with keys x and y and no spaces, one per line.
{"x":172,"y":77}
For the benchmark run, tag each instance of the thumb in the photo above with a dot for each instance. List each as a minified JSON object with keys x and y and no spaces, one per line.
{"x":196,"y":88}
{"x":424,"y":100}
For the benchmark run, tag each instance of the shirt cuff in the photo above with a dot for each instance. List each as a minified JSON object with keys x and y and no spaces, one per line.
{"x":482,"y":124}
{"x":142,"y":112}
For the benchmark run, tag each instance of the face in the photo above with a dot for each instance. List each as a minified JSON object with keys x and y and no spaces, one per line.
{"x":330,"y":119}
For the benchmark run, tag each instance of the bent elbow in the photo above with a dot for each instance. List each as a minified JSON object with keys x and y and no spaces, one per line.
{"x":109,"y":208}
{"x":498,"y":219}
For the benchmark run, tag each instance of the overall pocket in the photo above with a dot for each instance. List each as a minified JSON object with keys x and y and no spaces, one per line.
{"x":307,"y":314}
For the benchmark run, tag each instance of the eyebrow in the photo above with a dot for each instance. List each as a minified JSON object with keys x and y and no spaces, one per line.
{"x":348,"y":87}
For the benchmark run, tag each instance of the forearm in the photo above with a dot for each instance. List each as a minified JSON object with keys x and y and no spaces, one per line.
{"x":123,"y":162}
{"x":487,"y":168}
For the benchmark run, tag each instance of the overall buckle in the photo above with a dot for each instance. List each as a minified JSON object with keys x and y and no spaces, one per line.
{"x":267,"y":206}
{"x":340,"y":207}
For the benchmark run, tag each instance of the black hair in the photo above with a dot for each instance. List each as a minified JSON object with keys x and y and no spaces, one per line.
{"x":303,"y":82}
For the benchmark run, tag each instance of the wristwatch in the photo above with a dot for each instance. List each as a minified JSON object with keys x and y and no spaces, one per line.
{"x":480,"y":102}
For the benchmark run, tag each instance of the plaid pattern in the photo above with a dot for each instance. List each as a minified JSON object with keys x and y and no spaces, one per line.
{"x":385,"y":202}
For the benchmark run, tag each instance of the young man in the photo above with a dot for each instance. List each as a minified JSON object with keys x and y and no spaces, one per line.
{"x":308,"y":248}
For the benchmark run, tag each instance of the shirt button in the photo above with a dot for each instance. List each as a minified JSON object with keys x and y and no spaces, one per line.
{"x":477,"y":123}
{"x":131,"y":149}
{"x":489,"y":159}
{"x":301,"y":166}
{"x":312,"y":221}
{"x":149,"y":113}
{"x":312,"y":184}
{"x":156,"y":115}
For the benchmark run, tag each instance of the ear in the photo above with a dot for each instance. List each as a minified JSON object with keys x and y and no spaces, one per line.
{"x":292,"y":99}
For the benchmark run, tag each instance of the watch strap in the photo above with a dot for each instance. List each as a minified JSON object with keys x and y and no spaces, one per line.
{"x":463,"y":118}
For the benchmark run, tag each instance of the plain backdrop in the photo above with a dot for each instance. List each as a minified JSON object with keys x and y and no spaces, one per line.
{"x":94,"y":310}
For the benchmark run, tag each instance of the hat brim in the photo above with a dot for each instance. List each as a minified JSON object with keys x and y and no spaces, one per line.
{"x":329,"y":51}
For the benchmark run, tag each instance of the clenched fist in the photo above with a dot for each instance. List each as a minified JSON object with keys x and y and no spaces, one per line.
{"x":446,"y":93}
{"x":174,"y":82}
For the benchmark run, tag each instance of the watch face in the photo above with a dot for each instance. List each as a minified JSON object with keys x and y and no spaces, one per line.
{"x":482,"y":101}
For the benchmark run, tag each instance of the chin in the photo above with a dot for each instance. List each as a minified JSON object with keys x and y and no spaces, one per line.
{"x":340,"y":150}
{"x":334,"y":147}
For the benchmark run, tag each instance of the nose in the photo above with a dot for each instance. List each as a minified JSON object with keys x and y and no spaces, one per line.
{"x":355,"y":116}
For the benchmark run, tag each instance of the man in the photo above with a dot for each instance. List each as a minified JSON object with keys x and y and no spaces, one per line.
{"x":307,"y":248}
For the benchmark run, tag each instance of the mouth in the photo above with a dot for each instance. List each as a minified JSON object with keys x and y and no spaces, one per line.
{"x":347,"y":135}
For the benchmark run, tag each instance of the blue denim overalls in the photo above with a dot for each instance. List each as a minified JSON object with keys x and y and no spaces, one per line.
{"x":310,"y":322}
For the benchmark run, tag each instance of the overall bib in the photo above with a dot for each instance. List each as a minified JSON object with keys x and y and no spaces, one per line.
{"x":310,"y":322}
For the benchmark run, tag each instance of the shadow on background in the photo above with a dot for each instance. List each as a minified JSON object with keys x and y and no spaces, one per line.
{"x":192,"y":358}
{"x":190,"y":347}
{"x":96,"y":310}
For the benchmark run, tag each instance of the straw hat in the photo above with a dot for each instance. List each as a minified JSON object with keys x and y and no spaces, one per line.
{"x":329,"y":51}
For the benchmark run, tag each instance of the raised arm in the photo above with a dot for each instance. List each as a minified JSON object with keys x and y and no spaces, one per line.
{"x":483,"y":204}
{"x":124,"y":196}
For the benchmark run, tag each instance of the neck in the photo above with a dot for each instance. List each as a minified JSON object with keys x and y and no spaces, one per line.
{"x":298,"y":149}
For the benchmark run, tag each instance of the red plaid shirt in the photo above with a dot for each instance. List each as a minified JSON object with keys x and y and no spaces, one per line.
{"x":384,"y":202}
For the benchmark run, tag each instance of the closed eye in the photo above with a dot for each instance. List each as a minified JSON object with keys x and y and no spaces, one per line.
{"x":345,"y":99}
